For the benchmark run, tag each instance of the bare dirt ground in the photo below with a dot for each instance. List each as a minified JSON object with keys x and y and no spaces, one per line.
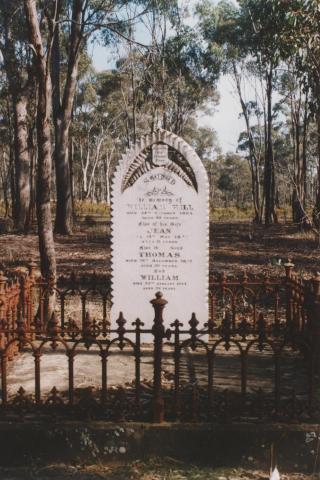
{"x":235,"y":247}
{"x":243,"y":246}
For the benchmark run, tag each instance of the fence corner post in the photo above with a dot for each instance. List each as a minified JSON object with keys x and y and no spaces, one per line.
{"x":158,"y":332}
{"x":289,"y":266}
{"x":3,"y":305}
{"x":32,"y":270}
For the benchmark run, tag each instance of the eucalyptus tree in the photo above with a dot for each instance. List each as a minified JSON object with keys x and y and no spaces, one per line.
{"x":98,"y":132}
{"x":7,"y":177}
{"x":250,"y":37}
{"x":42,"y":50}
{"x":77,"y":21}
{"x":104,"y":124}
{"x":16,"y":57}
{"x":205,"y":142}
{"x":262,"y":23}
{"x":223,"y":34}
{"x":172,"y":79}
{"x":302,"y":34}
{"x":294,"y":108}
{"x":232,"y":181}
{"x":191,"y":78}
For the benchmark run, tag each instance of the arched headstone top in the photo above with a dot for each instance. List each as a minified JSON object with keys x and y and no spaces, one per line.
{"x":162,"y":149}
{"x":160,"y":229}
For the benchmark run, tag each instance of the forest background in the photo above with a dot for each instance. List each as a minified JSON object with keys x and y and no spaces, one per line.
{"x":64,"y":125}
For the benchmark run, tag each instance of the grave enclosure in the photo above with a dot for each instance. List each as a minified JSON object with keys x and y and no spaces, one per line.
{"x":208,"y":348}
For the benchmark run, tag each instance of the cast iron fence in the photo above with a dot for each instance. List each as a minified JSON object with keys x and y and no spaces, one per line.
{"x":255,"y":358}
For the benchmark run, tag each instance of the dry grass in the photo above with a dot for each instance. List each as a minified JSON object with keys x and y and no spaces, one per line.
{"x":85,"y":207}
{"x":154,"y":469}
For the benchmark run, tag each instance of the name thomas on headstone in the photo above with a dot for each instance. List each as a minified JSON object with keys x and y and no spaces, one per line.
{"x":160,"y":231}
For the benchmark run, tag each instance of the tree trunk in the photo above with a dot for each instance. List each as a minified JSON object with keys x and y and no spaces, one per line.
{"x":45,"y":232}
{"x":33,"y":162}
{"x":64,"y":210}
{"x":299,"y":159}
{"x":253,"y":158}
{"x":12,"y":172}
{"x":62,"y":112}
{"x":18,"y":88}
{"x":304,"y":183}
{"x":46,"y":242}
{"x":316,"y":210}
{"x":269,"y":180}
{"x":22,"y":162}
{"x":108,"y":186}
{"x":5,"y":180}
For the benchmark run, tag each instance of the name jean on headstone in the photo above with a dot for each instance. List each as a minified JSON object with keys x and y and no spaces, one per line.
{"x":160,"y":231}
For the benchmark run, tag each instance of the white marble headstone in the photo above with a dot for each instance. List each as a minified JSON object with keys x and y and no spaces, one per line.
{"x":160,"y":236}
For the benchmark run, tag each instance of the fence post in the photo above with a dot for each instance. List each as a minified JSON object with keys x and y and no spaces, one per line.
{"x":314,"y":319}
{"x":289,"y":266}
{"x":32,"y":286}
{"x":3,"y":307}
{"x":158,"y":332}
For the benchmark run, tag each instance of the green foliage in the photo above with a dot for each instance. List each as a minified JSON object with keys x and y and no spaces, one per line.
{"x":229,"y":178}
{"x":203,"y":139}
{"x":172,"y":80}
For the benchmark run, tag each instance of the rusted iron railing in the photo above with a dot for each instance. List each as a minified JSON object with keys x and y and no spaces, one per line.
{"x":255,"y":358}
{"x":280,"y":299}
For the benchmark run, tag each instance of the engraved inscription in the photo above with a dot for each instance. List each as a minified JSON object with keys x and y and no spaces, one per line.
{"x":162,"y":238}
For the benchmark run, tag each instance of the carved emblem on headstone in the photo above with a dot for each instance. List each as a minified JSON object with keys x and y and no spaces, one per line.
{"x":158,"y":156}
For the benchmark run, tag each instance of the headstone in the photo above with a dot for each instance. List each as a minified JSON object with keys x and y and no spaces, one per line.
{"x":160,"y":231}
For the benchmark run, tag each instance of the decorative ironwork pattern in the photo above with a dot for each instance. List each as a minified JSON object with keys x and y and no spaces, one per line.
{"x":255,"y":358}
